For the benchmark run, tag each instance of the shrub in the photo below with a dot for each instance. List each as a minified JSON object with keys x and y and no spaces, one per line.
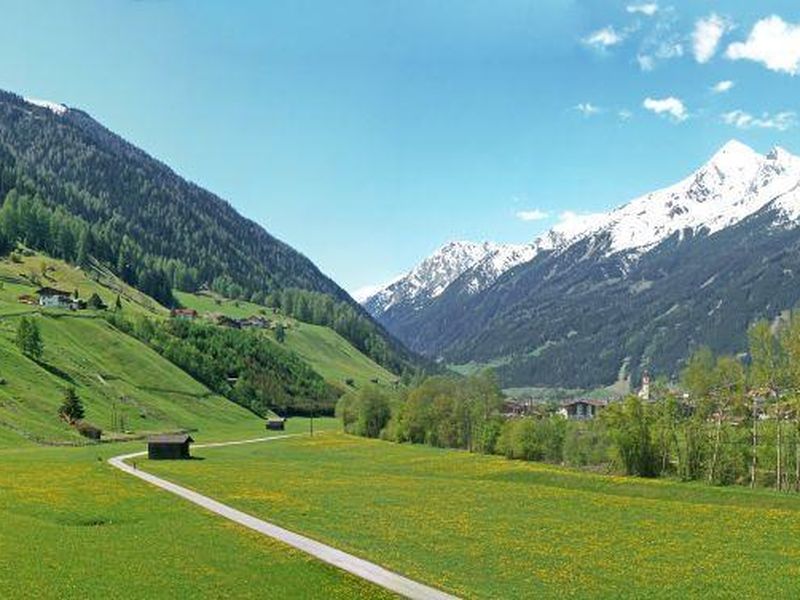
{"x":628,"y":424}
{"x":364,"y":412}
{"x":88,"y":430}
{"x":586,"y":444}
{"x":533,"y":439}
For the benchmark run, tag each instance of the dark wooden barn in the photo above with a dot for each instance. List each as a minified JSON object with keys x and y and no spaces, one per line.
{"x":276,"y":424}
{"x":169,"y":447}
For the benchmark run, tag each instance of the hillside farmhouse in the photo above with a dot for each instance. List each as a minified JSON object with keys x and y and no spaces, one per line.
{"x":581,"y":410}
{"x":53,"y":298}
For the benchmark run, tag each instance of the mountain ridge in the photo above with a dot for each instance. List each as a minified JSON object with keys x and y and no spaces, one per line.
{"x":71,"y":187}
{"x":708,"y":183}
{"x":597,"y":273}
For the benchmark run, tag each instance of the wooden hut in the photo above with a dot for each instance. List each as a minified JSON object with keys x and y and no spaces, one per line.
{"x":276,"y":424}
{"x":169,"y":447}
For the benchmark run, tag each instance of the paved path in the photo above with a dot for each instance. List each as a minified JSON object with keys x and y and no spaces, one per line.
{"x":347,"y":562}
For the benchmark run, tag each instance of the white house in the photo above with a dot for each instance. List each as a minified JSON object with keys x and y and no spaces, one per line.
{"x":581,"y":410}
{"x":52,"y":298}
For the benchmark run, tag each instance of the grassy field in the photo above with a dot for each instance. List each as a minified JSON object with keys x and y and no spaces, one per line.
{"x":484,"y":527}
{"x":121,"y":382}
{"x":74,"y":527}
{"x":35,"y":271}
{"x":326,"y":351}
{"x":208,"y":302}
{"x":127,"y":388}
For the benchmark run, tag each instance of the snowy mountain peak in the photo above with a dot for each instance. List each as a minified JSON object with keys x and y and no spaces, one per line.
{"x":434,"y":274}
{"x":733,"y":148}
{"x":56,"y":107}
{"x":736,"y":182}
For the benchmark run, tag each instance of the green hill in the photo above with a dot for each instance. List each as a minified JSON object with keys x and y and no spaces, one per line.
{"x":127,"y":388}
{"x":74,"y":190}
{"x":328,"y":353}
{"x":29,"y":271}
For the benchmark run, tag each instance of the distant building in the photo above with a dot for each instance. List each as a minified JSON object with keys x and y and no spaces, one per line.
{"x":644,"y":392}
{"x":581,"y":410}
{"x":169,"y":447}
{"x":188,"y":314}
{"x":27,"y":299}
{"x":95,"y":302}
{"x":224,"y":321}
{"x":53,"y":298}
{"x":255,"y":322}
{"x":276,"y":424}
{"x":515,"y":408}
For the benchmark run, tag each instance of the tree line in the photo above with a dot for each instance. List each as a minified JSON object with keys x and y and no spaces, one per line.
{"x":349,"y":322}
{"x":30,"y":221}
{"x":77,"y":190}
{"x":727,"y":420}
{"x":238,"y":364}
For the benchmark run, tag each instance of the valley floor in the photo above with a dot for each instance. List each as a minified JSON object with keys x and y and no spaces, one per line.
{"x":74,"y":527}
{"x":485,"y":527}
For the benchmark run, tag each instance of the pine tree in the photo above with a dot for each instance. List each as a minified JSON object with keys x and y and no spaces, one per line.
{"x":118,"y":304}
{"x":29,"y":339}
{"x":72,"y":408}
{"x":280,"y":333}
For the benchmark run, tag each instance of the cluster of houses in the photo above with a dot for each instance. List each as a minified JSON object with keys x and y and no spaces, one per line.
{"x":253,"y":322}
{"x":576,"y":409}
{"x":579,"y":409}
{"x":48,"y":297}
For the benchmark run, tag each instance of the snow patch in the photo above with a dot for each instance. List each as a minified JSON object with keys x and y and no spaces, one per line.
{"x":56,"y":107}
{"x":735,"y":183}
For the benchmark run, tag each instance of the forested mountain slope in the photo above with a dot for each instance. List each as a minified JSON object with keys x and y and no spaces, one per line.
{"x":638,"y":287}
{"x":75,"y":190}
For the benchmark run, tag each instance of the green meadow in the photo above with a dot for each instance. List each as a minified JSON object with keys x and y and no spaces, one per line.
{"x":326,"y":351}
{"x":127,"y":388}
{"x":486,"y":527}
{"x":74,"y":527}
{"x":37,"y":270}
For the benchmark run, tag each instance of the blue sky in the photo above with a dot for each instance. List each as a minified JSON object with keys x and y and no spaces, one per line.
{"x":367,"y":133}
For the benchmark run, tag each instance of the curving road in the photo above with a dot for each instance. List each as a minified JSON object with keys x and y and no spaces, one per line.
{"x":347,"y":562}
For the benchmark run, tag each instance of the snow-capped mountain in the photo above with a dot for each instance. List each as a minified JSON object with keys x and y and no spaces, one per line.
{"x":433,"y":275}
{"x":736,"y":182}
{"x":605,"y":295}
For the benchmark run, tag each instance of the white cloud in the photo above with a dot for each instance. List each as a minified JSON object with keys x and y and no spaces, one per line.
{"x":587,"y":109}
{"x":532,"y":215}
{"x":647,"y":62}
{"x":648,"y":9}
{"x":604,"y":38}
{"x":661,"y":42}
{"x":772,"y":42}
{"x":663,"y":51}
{"x":624,"y":114}
{"x":706,"y":36}
{"x":671,"y":106}
{"x":742,"y":120}
{"x":722,"y":86}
